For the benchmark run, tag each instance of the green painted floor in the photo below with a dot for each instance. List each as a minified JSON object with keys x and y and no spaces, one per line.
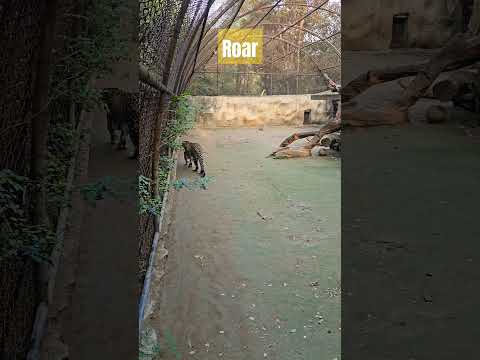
{"x":245,"y":252}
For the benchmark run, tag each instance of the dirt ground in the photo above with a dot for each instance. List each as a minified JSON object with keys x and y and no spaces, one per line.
{"x":408,"y":241}
{"x":98,"y":321}
{"x":244,"y":253}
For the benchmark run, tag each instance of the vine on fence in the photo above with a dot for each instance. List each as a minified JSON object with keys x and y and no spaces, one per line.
{"x":183,"y":120}
{"x":61,"y":140}
{"x":91,"y":53}
{"x":18,"y":237}
{"x":151,"y":349}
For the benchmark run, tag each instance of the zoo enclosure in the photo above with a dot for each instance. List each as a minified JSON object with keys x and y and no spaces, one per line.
{"x":178,"y":41}
{"x":255,"y":83}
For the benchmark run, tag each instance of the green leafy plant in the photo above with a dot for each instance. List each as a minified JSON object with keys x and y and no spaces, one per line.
{"x":109,"y":186}
{"x":150,"y":347}
{"x":198,"y":183}
{"x":182,"y":121}
{"x":61,"y":138}
{"x":91,"y":52}
{"x":148,"y":204}
{"x":18,"y":237}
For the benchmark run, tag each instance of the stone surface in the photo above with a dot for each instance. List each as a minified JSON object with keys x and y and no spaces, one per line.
{"x":367,"y":24}
{"x":255,"y":111}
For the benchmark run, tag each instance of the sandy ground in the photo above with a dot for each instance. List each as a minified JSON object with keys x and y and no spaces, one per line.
{"x":239,"y":286}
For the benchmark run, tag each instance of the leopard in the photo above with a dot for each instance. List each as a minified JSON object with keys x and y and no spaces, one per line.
{"x":123,"y":115}
{"x":193,"y":154}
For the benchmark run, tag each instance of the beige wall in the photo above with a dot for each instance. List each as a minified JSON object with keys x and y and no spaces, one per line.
{"x":367,"y":24}
{"x":253,"y":111}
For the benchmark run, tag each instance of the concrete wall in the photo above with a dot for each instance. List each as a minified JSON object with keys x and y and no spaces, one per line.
{"x":253,"y":111}
{"x":367,"y":24}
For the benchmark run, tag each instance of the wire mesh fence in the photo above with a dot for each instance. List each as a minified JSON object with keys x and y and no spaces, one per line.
{"x":170,"y":33}
{"x":20,"y":29}
{"x":149,"y":101}
{"x":255,"y":84}
{"x":178,"y":40}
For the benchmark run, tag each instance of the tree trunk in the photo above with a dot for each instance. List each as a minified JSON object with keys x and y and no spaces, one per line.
{"x":457,"y":84}
{"x":374,"y":77}
{"x":297,"y":136}
{"x":326,"y":140}
{"x":330,"y":127}
{"x":457,"y":53}
{"x":287,"y":153}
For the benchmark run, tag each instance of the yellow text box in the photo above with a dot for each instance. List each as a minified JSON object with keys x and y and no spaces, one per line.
{"x":240,"y":46}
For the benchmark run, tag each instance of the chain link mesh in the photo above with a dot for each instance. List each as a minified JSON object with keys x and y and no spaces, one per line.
{"x":255,"y":84}
{"x":169,"y":35}
{"x":176,"y":38}
{"x":20,"y":28}
{"x":179,"y":38}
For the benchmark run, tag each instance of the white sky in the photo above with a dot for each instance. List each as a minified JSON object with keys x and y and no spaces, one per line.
{"x":218,"y":3}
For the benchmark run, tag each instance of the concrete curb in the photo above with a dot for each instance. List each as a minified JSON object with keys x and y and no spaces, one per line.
{"x":78,"y":169}
{"x":156,"y":254}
